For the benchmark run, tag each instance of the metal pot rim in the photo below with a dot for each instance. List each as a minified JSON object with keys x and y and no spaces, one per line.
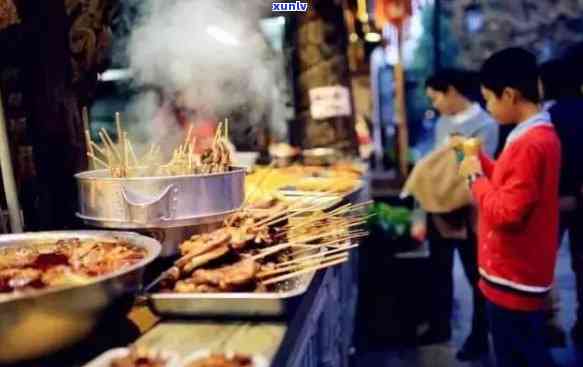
{"x":151,"y":245}
{"x":91,"y":175}
{"x":320,"y":152}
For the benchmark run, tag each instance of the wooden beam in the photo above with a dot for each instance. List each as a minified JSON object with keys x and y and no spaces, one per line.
{"x":320,"y":60}
{"x":54,"y":122}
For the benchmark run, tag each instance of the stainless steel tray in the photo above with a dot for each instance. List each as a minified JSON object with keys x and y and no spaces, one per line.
{"x":315,"y":200}
{"x":350,"y":196}
{"x":268,"y":304}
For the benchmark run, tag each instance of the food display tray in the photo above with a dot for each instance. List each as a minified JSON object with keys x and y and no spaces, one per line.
{"x":351,"y":196}
{"x":235,"y":304}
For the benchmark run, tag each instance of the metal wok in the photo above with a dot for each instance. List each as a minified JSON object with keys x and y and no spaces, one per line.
{"x":41,"y":322}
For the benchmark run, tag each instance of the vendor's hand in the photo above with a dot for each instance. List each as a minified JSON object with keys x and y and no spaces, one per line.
{"x":471,"y":167}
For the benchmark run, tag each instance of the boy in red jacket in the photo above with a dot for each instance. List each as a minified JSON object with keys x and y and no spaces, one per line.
{"x":517,"y":199}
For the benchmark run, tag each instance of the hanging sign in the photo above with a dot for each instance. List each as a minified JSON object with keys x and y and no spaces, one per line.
{"x":333,"y":101}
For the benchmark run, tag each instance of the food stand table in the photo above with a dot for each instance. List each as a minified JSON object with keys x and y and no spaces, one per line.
{"x":317,"y":329}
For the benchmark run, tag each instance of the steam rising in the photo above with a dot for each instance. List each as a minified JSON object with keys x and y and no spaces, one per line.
{"x":211,"y":51}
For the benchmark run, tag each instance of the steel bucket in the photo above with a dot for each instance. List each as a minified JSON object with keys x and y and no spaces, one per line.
{"x":158,"y":202}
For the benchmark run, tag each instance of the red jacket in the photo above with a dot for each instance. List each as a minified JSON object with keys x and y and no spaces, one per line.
{"x":518,"y":206}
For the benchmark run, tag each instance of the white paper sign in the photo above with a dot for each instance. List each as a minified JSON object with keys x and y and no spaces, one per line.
{"x":326,"y":102}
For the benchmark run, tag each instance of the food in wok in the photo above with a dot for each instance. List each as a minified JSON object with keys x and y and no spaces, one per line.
{"x":140,"y":357}
{"x":221,"y":360}
{"x":66,"y":262}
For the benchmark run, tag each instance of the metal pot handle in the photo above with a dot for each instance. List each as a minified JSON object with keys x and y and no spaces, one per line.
{"x":145,"y":210}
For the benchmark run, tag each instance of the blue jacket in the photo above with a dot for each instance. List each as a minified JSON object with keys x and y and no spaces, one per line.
{"x":567,"y":116}
{"x":474,"y":123}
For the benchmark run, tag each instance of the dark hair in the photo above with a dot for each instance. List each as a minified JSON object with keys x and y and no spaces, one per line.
{"x":464,"y":82}
{"x":559,"y":79}
{"x":512,"y":68}
{"x":574,"y":59}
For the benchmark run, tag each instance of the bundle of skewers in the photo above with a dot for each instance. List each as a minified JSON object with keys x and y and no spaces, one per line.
{"x":255,"y":251}
{"x":121,"y":160}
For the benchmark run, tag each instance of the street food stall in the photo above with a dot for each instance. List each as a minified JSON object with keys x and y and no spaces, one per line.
{"x":170,"y":252}
{"x":258,"y":286}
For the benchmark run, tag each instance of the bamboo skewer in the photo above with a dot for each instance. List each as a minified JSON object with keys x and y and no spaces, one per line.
{"x":218,"y":132}
{"x":341,"y":238}
{"x":285,"y":214}
{"x":303,"y":264}
{"x":118,"y":126}
{"x":89,"y":145}
{"x":112,"y":146}
{"x":104,"y":142}
{"x":121,"y":158}
{"x":309,"y":220}
{"x":150,"y":154}
{"x":85,"y":117}
{"x":318,"y":255}
{"x":98,"y":148}
{"x":333,"y":243}
{"x":331,"y":251}
{"x":329,"y":222}
{"x":303,"y":271}
{"x":278,"y":248}
{"x":133,"y":153}
{"x":271,"y":251}
{"x":97,"y":160}
{"x":86,"y":128}
{"x":188,"y":134}
{"x":126,"y":153}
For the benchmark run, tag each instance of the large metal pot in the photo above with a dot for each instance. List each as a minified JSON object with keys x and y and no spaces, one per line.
{"x":320,"y":156}
{"x":158,"y":202}
{"x":45,"y":321}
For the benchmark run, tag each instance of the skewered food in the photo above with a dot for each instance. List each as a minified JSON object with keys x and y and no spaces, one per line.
{"x":252,"y":252}
{"x":205,"y":258}
{"x":122,"y":161}
{"x":220,"y":360}
{"x":64,"y":263}
{"x":199,"y":244}
{"x":139,"y":357}
{"x":224,"y":279}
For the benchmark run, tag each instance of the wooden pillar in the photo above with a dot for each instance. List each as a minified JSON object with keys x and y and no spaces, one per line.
{"x":55,"y":124}
{"x":401,"y":110}
{"x":436,"y":35}
{"x":321,"y":61}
